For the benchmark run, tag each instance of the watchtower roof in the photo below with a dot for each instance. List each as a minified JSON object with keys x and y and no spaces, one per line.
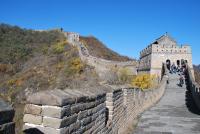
{"x":165,"y":38}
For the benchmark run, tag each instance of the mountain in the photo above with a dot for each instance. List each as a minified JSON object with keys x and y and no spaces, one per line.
{"x":98,"y":49}
{"x":32,"y":60}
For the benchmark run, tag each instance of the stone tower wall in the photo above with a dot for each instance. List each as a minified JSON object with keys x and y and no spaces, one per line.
{"x":163,"y":49}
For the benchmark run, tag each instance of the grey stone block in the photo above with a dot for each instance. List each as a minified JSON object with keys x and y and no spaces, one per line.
{"x":59,"y":123}
{"x":82,"y":114}
{"x":90,"y":105}
{"x":52,"y":98}
{"x":74,"y":127}
{"x":55,"y":111}
{"x":52,"y":122}
{"x":86,"y":121}
{"x":33,"y":109}
{"x":33,"y":119}
{"x":77,"y":108}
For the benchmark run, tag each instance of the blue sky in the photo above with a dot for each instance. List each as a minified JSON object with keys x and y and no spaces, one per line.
{"x":126,"y":26}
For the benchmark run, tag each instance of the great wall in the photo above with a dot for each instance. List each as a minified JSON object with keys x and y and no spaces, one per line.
{"x":72,"y":111}
{"x":102,"y":66}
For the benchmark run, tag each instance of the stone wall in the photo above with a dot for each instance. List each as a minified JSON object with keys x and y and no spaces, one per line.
{"x":102,"y":66}
{"x":7,"y":126}
{"x":193,"y":87}
{"x":72,"y":111}
{"x":71,"y":37}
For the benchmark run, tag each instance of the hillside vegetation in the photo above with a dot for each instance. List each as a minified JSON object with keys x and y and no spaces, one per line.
{"x":98,"y":49}
{"x":36,"y":60}
{"x":31,"y":61}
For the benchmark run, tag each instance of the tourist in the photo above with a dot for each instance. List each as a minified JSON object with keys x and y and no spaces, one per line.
{"x":181,"y":80}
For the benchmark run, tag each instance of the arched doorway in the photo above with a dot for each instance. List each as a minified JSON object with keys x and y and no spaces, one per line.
{"x":182,"y":61}
{"x":178,"y":62}
{"x":168,"y":64}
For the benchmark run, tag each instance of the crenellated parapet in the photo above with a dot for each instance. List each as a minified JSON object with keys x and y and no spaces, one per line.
{"x":73,"y":111}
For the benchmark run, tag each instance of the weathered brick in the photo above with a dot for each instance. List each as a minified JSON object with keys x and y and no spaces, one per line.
{"x":33,"y":119}
{"x":59,"y":123}
{"x":90,"y":105}
{"x":89,"y":112}
{"x":56,"y":112}
{"x":77,"y":108}
{"x":51,"y":97}
{"x":82,"y":114}
{"x":74,"y":127}
{"x":86,"y":121}
{"x":90,"y":125}
{"x":52,"y":122}
{"x":33,"y":109}
{"x":69,"y":120}
{"x":82,"y":99}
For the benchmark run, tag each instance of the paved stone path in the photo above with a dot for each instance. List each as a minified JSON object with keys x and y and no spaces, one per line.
{"x":174,"y":114}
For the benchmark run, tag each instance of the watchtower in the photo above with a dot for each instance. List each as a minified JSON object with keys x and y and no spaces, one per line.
{"x":72,"y":37}
{"x":164,"y":50}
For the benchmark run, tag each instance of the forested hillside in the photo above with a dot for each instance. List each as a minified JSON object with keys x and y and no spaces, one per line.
{"x":31,"y":61}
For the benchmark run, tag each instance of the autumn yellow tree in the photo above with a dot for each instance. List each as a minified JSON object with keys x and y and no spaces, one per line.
{"x":144,"y":81}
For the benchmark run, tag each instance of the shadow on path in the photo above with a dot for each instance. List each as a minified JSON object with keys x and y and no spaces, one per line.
{"x":190,"y":102}
{"x":33,"y":131}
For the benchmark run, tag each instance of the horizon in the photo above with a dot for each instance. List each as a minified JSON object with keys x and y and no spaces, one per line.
{"x":126,"y":27}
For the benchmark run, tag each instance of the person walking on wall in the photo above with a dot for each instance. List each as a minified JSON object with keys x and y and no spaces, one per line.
{"x":181,"y":79}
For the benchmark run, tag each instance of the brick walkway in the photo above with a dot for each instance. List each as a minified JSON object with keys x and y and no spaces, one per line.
{"x":174,"y":114}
